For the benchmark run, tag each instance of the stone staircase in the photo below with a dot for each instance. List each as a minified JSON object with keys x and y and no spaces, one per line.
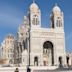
{"x":36,"y":69}
{"x":56,"y":70}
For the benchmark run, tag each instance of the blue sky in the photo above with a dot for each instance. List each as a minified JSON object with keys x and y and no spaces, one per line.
{"x":12,"y":12}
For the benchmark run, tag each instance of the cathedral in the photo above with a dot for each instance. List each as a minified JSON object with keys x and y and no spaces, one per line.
{"x":38,"y":46}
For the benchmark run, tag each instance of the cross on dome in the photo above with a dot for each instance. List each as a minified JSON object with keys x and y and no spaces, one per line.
{"x":56,"y":4}
{"x":34,"y":5}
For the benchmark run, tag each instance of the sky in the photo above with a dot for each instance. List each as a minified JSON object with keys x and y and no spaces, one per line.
{"x":13,"y":11}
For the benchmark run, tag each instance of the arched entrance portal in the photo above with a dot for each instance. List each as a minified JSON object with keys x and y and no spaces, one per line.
{"x":48,"y":53}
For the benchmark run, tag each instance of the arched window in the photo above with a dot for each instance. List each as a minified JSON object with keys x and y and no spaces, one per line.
{"x":59,"y":22}
{"x":44,"y":63}
{"x":20,"y":47}
{"x":35,"y":20}
{"x":10,"y":61}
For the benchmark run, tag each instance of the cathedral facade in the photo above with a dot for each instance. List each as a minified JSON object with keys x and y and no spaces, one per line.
{"x":38,"y":46}
{"x":42,"y":46}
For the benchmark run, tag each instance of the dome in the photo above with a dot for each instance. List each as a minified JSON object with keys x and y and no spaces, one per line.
{"x":56,"y":9}
{"x":10,"y":36}
{"x":33,"y":6}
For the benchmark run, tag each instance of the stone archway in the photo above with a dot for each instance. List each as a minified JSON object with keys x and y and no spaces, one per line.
{"x":48,"y":53}
{"x":67,"y":59}
{"x":60,"y":61}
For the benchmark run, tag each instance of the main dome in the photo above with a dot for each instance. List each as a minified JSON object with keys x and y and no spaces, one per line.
{"x":56,"y":8}
{"x":33,"y":6}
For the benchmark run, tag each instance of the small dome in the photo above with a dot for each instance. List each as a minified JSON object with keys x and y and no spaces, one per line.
{"x":56,"y":8}
{"x":33,"y":6}
{"x":10,"y":36}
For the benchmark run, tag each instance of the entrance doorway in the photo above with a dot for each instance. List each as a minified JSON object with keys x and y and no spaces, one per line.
{"x":48,"y":53}
{"x":67,"y":58}
{"x":60,"y":62}
{"x":36,"y":61}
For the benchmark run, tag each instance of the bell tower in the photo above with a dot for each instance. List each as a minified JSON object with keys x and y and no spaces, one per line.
{"x":34,"y":16}
{"x":57,"y":20}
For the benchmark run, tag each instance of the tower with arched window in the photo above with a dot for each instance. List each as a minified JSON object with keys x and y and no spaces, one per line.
{"x":34,"y":16}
